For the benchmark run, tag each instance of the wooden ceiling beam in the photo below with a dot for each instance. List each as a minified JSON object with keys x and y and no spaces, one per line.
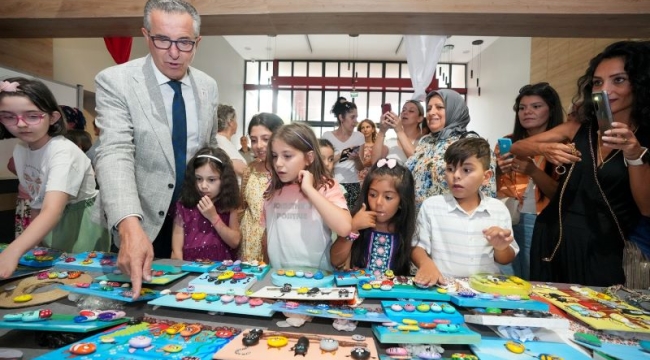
{"x":551,"y":18}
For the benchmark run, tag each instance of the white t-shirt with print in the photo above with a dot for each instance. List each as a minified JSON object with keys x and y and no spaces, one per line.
{"x":57,"y":166}
{"x":296,"y":233}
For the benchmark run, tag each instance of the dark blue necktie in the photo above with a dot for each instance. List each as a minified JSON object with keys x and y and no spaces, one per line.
{"x":179,"y":135}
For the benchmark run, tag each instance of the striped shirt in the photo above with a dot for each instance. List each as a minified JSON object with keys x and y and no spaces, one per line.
{"x":454,"y":238}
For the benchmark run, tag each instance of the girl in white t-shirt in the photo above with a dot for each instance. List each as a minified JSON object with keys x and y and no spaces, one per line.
{"x":55,"y":172}
{"x":303,"y":204}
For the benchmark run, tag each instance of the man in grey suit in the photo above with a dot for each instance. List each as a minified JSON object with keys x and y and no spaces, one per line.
{"x":138,"y":106}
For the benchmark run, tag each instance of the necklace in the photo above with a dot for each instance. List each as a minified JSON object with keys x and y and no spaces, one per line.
{"x":611,"y":155}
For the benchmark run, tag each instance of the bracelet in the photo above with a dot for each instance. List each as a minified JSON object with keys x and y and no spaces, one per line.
{"x":352,"y":236}
{"x":216,"y":221}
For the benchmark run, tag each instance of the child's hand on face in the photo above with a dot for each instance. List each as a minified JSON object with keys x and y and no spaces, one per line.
{"x":429,"y":275}
{"x":207,"y":209}
{"x":364,"y":219}
{"x":499,"y":238}
{"x":306,"y":180}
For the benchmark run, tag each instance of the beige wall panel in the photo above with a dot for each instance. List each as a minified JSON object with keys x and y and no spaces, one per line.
{"x":32,"y":56}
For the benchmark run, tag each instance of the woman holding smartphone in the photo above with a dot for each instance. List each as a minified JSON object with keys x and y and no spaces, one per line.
{"x":408,"y":126}
{"x":580,"y":236}
{"x":347,"y":145}
{"x":530,"y":180}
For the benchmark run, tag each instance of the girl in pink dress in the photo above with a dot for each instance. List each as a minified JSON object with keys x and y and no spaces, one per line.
{"x":206,"y":225}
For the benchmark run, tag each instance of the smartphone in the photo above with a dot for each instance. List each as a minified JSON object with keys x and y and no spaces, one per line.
{"x":603,"y":111}
{"x":504,"y":145}
{"x":386,"y":108}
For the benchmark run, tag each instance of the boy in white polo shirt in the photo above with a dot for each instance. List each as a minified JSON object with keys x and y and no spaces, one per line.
{"x":462,"y":233}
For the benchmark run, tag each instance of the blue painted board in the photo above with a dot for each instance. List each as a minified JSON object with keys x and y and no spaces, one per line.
{"x":201,"y":346}
{"x":499,"y":302}
{"x":203,"y":283}
{"x":258,"y":271}
{"x":390,"y":335}
{"x":618,"y":351}
{"x":171,"y":273}
{"x":404,"y":291}
{"x":94,"y":266}
{"x":28,"y":259}
{"x":374,"y":314}
{"x":429,"y":316}
{"x":23,"y":271}
{"x":352,"y":277}
{"x":494,"y":349}
{"x":61,"y":322}
{"x":115,"y":294}
{"x":264,"y":310}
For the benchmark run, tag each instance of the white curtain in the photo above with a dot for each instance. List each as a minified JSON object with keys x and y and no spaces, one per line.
{"x":422,"y":54}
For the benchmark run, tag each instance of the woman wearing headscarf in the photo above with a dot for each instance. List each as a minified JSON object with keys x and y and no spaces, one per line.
{"x":447,"y":119}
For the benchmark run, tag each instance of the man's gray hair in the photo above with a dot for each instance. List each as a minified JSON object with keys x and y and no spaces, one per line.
{"x":173,"y":7}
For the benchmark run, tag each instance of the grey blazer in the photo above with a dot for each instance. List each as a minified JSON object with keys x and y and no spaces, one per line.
{"x":135,"y":158}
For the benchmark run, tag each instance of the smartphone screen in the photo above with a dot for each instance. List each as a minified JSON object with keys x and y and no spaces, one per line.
{"x":386,"y":108}
{"x":603,"y":111}
{"x":504,"y":145}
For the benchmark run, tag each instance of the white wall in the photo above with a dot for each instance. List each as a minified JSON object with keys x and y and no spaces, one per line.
{"x":505,"y":69}
{"x":77,"y":61}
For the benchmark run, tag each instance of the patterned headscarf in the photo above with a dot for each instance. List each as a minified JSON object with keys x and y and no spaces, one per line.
{"x":456,"y":113}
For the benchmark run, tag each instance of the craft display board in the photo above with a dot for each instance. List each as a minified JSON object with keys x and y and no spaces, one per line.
{"x":373,"y":314}
{"x":324,"y":294}
{"x":40,"y":257}
{"x":495,"y":349}
{"x":391,"y":335}
{"x":614,"y":315}
{"x":90,"y":261}
{"x":233,"y":350}
{"x":303,"y":276}
{"x":404,"y":288}
{"x":250,"y":269}
{"x":352,"y":277}
{"x":200,"y":346}
{"x":499,"y":302}
{"x":61,"y":322}
{"x":419,"y":316}
{"x":553,"y":321}
{"x":170,"y":273}
{"x":500,"y":284}
{"x":264,"y":310}
{"x":205,"y":283}
{"x":618,"y":351}
{"x":35,"y":289}
{"x":116,"y":293}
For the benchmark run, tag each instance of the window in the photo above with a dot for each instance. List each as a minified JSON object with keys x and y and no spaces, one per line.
{"x":307,"y":90}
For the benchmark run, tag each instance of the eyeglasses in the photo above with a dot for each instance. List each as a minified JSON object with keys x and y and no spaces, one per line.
{"x":29,"y":118}
{"x":164,"y":43}
{"x":528,"y":87}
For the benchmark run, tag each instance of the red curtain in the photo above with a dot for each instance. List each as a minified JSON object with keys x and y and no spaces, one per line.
{"x":119,"y":48}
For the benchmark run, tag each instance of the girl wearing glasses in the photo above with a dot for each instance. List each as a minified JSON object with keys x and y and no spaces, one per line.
{"x":55,"y":172}
{"x":530,"y":180}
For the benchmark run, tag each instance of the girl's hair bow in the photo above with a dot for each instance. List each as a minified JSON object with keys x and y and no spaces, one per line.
{"x":389,"y":162}
{"x":9,"y":86}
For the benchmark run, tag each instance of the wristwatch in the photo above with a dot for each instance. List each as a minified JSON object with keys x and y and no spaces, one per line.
{"x":643,"y":159}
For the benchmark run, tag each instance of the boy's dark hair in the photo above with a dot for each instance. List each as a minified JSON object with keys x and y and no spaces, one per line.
{"x":404,"y":219}
{"x":228,"y":198}
{"x":41,"y":96}
{"x":81,"y":138}
{"x":326,"y":143}
{"x":465,"y":148}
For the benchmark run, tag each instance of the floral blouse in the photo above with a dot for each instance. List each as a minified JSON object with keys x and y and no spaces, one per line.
{"x":428,"y":167}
